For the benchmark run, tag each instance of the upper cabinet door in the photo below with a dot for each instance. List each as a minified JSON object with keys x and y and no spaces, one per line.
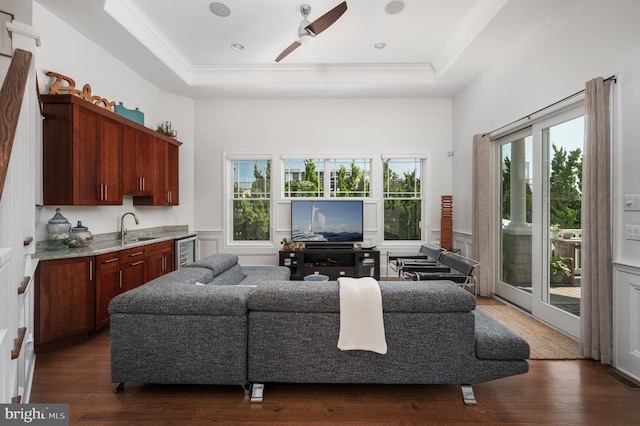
{"x":85,"y":150}
{"x":82,"y":156}
{"x":166,"y":189}
{"x":173,"y":180}
{"x":138,"y":162}
{"x":110,"y":162}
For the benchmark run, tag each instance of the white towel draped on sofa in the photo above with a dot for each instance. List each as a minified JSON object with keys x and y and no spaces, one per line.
{"x":361,"y":320}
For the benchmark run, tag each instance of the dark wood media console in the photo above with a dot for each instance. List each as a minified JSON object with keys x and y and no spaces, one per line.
{"x":334,"y":263}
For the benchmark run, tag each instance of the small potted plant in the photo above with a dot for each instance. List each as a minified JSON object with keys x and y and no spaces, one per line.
{"x":285,"y":243}
{"x":288,"y":245}
{"x":554,"y":231}
{"x":558,"y":268}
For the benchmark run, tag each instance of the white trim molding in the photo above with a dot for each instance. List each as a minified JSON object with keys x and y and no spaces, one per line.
{"x":24,"y":30}
{"x":626,"y":321}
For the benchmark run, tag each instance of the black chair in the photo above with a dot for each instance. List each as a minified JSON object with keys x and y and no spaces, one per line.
{"x":428,"y":260}
{"x":460,"y":270}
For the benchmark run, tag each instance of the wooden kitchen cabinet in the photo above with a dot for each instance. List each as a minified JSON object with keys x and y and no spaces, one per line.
{"x":166,"y":190}
{"x":92,"y":156}
{"x":72,"y":295}
{"x":64,"y":299}
{"x":161,"y":259}
{"x":138,"y":162}
{"x":124,"y":270}
{"x":82,"y":154}
{"x":133,"y":264}
{"x":108,"y":285}
{"x":172,"y":177}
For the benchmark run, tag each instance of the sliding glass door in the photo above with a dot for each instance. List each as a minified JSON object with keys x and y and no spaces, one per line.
{"x":538,"y":238}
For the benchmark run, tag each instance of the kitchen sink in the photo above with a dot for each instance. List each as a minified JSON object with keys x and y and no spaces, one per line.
{"x":139,"y":239}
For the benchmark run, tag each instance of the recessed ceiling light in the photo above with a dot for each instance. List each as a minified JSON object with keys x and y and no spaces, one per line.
{"x":220,"y":9}
{"x":393,"y":7}
{"x":237,"y":46}
{"x":380,"y":45}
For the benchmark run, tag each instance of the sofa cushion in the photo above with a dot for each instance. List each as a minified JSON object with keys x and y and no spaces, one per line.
{"x":186,"y":276}
{"x":182,"y":299}
{"x":401,"y":296}
{"x":495,"y":341}
{"x":256,"y":275}
{"x":218,"y":263}
{"x":177,"y":293}
{"x":231,"y":276}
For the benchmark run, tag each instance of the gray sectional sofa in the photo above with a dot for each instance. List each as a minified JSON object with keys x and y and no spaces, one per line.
{"x":216,"y":322}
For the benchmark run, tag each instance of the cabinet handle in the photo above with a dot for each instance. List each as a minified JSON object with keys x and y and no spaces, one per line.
{"x":115,"y":259}
{"x":104,"y":194}
{"x":120,"y":284}
{"x":91,"y":270}
{"x":137,"y":263}
{"x":136,"y":254}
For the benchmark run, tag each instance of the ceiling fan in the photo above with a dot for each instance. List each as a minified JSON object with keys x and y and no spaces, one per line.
{"x":308,"y":30}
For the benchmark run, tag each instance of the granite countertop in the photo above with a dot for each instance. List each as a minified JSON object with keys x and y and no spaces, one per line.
{"x":110,"y":242}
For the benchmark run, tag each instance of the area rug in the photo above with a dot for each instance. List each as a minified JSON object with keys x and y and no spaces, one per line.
{"x":544,"y":341}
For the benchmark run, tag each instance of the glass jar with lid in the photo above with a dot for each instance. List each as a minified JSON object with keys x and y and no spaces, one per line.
{"x":79,"y":236}
{"x":58,"y":231}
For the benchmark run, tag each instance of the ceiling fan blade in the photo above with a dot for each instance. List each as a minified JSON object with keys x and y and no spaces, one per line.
{"x":326,"y":20}
{"x":293,"y":46}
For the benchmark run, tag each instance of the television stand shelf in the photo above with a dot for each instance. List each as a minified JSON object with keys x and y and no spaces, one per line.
{"x":334,"y":263}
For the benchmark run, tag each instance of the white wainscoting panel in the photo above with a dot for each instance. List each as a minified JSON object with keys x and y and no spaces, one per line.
{"x":627,"y":320}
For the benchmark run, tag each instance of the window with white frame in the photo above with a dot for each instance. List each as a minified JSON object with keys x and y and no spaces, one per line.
{"x":402,"y":198}
{"x":338,"y":177}
{"x":350,"y":177}
{"x":303,"y":177}
{"x":251,"y":200}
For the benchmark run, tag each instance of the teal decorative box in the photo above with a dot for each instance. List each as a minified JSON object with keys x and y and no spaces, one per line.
{"x":132,"y":114}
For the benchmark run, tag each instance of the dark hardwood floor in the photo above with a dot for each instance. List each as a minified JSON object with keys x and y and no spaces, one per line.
{"x":552,"y":393}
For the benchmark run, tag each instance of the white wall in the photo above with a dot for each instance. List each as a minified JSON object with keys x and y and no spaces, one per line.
{"x":554,"y":63}
{"x":586,"y":39}
{"x":321,"y":126}
{"x":67,"y":52}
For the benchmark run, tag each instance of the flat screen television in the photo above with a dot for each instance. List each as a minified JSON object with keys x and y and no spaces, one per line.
{"x":331,"y":221}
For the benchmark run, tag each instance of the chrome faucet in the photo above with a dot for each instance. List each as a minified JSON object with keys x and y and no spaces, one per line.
{"x":123,"y":230}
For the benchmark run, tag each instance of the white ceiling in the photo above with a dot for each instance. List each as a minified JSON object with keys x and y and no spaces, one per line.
{"x":433,"y":47}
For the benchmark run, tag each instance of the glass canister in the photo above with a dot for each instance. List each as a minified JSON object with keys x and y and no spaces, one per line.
{"x":58,"y":231}
{"x":79,"y":236}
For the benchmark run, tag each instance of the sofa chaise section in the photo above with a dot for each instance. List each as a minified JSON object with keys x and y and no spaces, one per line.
{"x":430,"y":331}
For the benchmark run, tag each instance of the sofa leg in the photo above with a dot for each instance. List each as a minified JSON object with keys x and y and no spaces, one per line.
{"x":257,"y":393}
{"x":247,"y":388}
{"x":118,"y":387}
{"x":467,"y":395}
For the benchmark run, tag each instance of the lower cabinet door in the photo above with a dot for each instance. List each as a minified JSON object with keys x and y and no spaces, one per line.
{"x":64,"y":298}
{"x":160,"y":257}
{"x":108,"y":284}
{"x":133,"y":263}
